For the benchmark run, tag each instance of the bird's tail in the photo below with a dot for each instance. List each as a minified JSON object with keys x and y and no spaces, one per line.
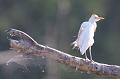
{"x":74,"y":44}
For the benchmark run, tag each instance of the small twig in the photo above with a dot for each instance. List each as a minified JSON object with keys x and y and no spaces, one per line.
{"x":26,"y":47}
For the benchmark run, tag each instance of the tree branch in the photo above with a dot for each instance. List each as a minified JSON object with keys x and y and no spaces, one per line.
{"x":24,"y":44}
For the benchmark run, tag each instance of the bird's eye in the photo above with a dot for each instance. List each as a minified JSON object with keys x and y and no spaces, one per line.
{"x":96,"y":17}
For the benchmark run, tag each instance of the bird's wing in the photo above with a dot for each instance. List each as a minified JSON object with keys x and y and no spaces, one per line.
{"x":83,"y":26}
{"x":76,"y":42}
{"x":86,"y":38}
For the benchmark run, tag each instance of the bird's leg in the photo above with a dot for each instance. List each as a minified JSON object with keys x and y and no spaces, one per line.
{"x":86,"y":56}
{"x":90,"y":53}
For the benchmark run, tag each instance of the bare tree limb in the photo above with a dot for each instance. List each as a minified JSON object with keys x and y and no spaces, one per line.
{"x":26,"y":45}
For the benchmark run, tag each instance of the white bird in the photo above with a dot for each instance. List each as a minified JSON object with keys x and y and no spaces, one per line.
{"x":85,"y":37}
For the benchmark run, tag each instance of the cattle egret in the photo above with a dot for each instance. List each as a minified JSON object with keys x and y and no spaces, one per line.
{"x":85,"y":37}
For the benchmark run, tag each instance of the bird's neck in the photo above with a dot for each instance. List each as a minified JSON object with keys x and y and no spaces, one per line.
{"x":91,"y":20}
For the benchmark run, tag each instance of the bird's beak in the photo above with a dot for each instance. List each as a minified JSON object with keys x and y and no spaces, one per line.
{"x":99,"y":18}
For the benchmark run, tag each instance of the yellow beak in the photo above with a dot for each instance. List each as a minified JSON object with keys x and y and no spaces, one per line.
{"x":100,"y":18}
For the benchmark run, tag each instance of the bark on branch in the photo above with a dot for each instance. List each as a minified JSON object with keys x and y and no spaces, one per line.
{"x":24,"y":44}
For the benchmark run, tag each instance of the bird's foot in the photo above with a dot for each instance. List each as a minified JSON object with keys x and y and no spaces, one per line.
{"x":86,"y":59}
{"x":91,"y":60}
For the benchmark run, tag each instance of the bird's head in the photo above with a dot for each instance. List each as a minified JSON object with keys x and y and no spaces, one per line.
{"x":96,"y":17}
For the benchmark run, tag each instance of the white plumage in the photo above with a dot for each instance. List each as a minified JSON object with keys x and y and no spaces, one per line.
{"x":85,"y":37}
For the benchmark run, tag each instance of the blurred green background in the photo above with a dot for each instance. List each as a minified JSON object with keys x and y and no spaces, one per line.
{"x":56,"y":23}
